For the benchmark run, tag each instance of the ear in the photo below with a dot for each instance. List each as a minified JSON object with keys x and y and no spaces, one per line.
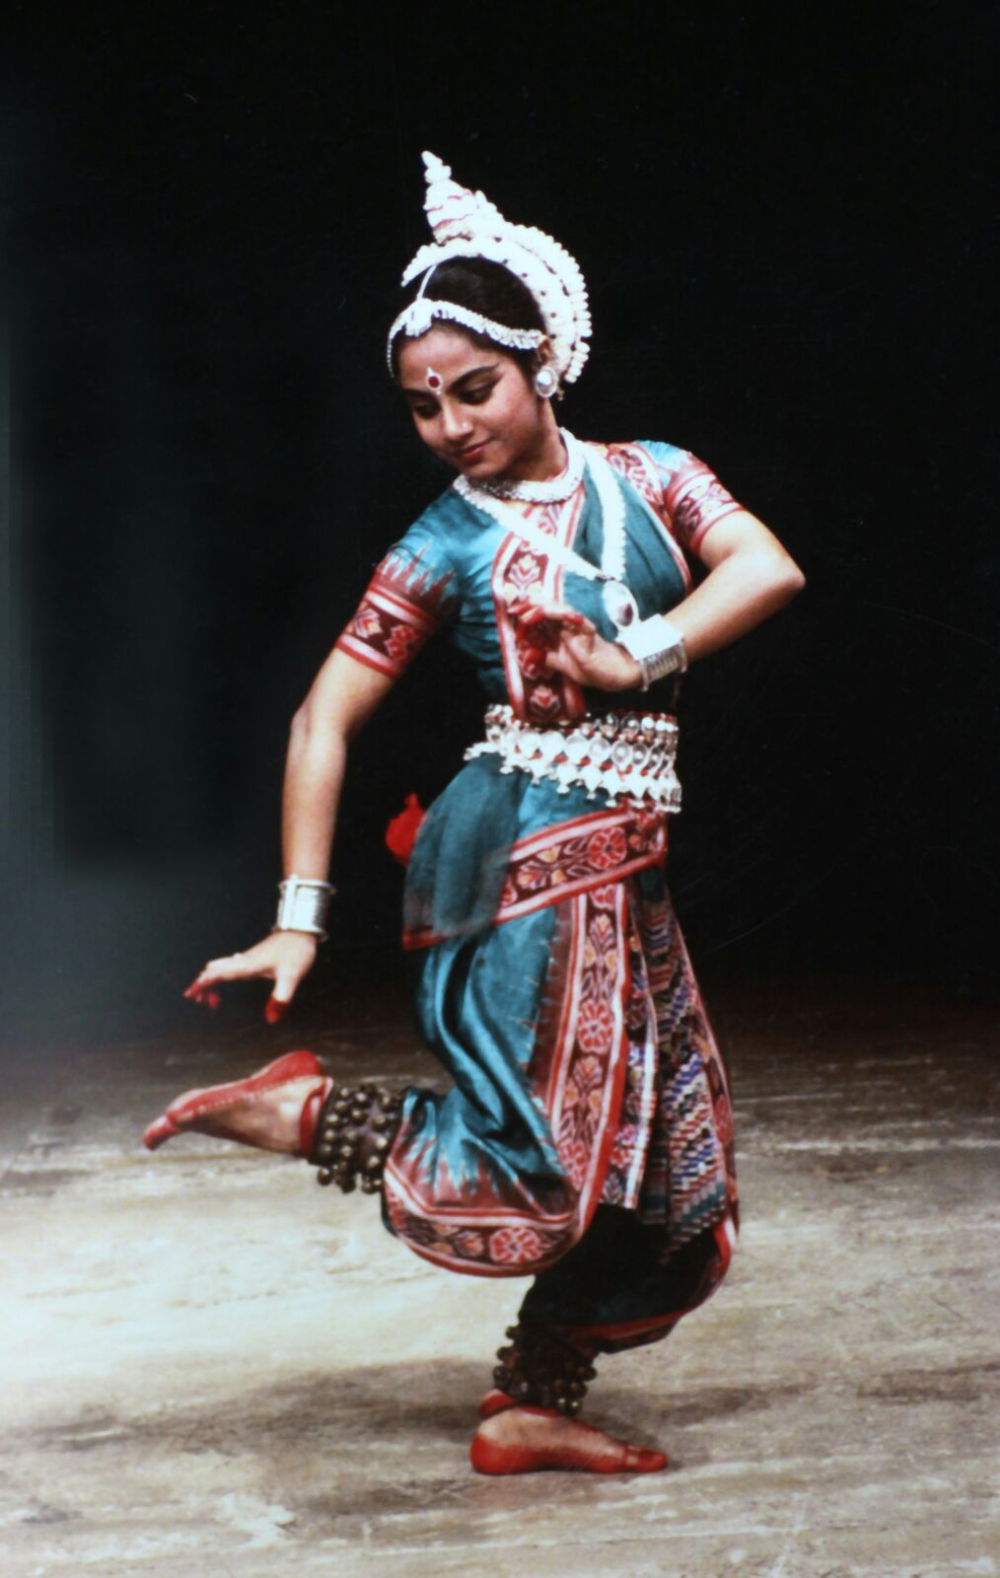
{"x":545,"y":380}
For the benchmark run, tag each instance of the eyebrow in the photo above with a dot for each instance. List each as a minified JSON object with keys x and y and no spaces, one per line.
{"x":474,"y":372}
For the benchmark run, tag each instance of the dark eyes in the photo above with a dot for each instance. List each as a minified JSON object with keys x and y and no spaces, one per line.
{"x":477,"y":395}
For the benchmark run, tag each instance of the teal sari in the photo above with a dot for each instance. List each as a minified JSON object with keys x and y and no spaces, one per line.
{"x":586,"y":1134}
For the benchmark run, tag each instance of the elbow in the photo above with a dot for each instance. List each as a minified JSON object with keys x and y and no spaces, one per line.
{"x":302,"y":723}
{"x":307,"y":725}
{"x":316,"y":729}
{"x":788,"y":580}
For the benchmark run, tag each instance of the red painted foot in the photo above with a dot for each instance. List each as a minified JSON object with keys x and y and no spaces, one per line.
{"x":202,"y":1110}
{"x":589,"y":1451}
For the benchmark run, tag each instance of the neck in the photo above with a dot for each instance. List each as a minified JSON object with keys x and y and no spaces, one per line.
{"x":548,"y":460}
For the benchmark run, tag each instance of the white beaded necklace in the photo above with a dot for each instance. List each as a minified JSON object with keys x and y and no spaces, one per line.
{"x":618,"y":600}
{"x":551,"y":492}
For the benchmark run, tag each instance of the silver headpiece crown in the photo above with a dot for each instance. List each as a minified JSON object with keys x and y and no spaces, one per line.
{"x":466,"y":225}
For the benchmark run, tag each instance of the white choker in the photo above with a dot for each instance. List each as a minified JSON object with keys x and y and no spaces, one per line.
{"x":551,"y":492}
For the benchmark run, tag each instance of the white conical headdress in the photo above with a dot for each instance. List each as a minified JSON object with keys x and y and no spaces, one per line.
{"x":466,"y":225}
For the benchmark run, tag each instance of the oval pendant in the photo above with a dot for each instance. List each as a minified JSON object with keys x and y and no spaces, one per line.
{"x":619,"y":604}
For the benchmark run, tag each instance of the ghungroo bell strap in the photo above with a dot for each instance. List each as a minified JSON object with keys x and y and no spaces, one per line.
{"x":354,"y":1135}
{"x":543,"y":1369}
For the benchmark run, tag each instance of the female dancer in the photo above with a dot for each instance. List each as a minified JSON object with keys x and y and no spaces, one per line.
{"x":587,"y":1135}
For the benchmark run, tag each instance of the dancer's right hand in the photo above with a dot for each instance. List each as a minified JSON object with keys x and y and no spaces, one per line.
{"x":284,"y":957}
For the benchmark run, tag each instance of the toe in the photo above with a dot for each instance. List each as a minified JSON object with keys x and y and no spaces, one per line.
{"x":645,"y":1460}
{"x":159,"y":1132}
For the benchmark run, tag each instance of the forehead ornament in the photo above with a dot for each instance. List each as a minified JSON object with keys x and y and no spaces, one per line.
{"x":433,"y":380}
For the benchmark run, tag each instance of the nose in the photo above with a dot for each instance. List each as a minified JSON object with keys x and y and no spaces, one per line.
{"x":455,"y":421}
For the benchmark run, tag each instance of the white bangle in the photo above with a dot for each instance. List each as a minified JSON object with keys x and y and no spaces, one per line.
{"x":657,"y":646}
{"x":303,"y":905}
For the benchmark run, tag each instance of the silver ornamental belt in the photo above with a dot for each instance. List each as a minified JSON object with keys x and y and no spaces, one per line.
{"x":628,"y":755}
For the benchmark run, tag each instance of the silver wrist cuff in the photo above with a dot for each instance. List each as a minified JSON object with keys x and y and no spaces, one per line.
{"x":657,"y":646}
{"x":303,"y":905}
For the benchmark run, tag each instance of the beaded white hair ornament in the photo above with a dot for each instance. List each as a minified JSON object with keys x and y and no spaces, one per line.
{"x":466,"y":225}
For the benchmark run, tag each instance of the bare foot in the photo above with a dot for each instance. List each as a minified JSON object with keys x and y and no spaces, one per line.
{"x":521,"y":1440}
{"x":268,"y":1110}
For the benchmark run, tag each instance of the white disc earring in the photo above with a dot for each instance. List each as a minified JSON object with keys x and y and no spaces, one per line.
{"x":546,"y":382}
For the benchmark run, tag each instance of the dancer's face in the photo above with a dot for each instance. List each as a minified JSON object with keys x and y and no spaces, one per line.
{"x":474,"y":408}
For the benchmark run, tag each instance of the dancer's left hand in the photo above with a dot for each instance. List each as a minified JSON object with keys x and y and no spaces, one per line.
{"x":572,"y":646}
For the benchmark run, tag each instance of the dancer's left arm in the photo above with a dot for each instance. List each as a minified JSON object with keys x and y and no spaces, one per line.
{"x":751,"y":576}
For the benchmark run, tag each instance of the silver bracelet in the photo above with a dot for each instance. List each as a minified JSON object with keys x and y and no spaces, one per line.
{"x":657,"y":646}
{"x":303,"y":905}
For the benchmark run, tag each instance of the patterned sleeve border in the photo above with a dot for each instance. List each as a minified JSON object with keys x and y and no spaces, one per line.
{"x":696,"y":500}
{"x":401,"y":609}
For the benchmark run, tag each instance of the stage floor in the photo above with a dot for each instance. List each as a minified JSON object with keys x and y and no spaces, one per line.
{"x":212,"y":1367}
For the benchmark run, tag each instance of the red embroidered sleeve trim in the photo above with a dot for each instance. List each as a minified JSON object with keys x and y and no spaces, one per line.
{"x":696,"y":500}
{"x":398,"y":614}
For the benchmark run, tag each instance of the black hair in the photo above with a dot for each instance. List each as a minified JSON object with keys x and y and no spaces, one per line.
{"x":484,"y":287}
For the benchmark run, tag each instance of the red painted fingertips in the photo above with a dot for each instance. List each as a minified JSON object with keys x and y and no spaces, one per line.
{"x":201,"y":992}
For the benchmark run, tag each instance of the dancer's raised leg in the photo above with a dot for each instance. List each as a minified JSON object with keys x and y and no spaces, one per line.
{"x":293,"y":1107}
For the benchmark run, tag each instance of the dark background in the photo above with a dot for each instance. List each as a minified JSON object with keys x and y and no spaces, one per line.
{"x":783,"y":222}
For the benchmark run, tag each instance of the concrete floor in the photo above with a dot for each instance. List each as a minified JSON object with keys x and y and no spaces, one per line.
{"x":212,"y":1367}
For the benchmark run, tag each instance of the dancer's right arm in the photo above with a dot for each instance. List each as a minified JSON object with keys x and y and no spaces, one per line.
{"x":342,"y":698}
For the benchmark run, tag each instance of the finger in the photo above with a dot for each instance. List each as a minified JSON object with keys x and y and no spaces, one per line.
{"x":232,"y":967}
{"x":555,"y":614}
{"x":562,"y":613}
{"x":203,"y":995}
{"x":556,"y":657}
{"x":228,"y":968}
{"x":557,"y":662}
{"x":520,"y":607}
{"x":284,"y":990}
{"x":531,"y":609}
{"x":563,"y":660}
